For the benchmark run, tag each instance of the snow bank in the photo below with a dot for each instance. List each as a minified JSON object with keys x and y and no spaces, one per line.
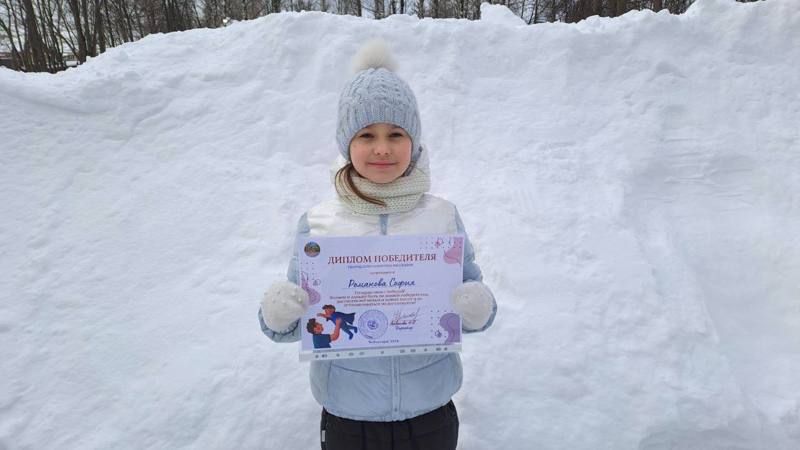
{"x":630,"y":185}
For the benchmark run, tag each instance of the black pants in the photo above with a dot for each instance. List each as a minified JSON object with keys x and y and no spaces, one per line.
{"x":436,"y":430}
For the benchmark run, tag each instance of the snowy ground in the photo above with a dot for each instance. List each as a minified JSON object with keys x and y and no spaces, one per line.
{"x":630,"y":184}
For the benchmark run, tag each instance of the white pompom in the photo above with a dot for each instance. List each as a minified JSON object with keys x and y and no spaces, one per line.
{"x":374,"y":53}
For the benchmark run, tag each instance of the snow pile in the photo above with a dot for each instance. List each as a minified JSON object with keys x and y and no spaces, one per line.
{"x":499,"y":15}
{"x":630,"y":185}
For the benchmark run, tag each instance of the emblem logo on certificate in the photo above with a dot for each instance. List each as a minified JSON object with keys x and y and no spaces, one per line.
{"x":380,"y":295}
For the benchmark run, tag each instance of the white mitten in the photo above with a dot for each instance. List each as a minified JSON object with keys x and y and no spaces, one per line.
{"x":473,"y":302}
{"x":282,"y":304}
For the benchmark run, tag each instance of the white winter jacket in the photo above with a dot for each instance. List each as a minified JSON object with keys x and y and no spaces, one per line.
{"x":393,"y":387}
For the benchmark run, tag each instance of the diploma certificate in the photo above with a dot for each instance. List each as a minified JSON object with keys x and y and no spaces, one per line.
{"x":380,"y":295}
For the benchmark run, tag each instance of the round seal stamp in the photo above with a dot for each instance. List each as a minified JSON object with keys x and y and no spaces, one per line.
{"x":312,"y":249}
{"x":372,"y":324}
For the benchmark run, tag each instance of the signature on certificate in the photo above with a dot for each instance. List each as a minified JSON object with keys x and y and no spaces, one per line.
{"x":404,"y":318}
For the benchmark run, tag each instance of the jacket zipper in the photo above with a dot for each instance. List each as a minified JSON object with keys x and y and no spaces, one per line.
{"x":384,"y":224}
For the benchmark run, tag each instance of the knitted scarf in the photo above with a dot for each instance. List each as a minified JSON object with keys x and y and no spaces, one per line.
{"x":400,"y":195}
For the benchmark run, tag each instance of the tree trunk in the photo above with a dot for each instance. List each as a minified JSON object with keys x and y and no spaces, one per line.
{"x":621,"y":7}
{"x":139,"y":25}
{"x":54,"y":46}
{"x":76,"y":16}
{"x":37,"y":61}
{"x":99,"y":27}
{"x":110,"y":24}
{"x":88,"y":35}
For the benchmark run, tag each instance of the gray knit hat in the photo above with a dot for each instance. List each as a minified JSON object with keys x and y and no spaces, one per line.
{"x":376,"y":94}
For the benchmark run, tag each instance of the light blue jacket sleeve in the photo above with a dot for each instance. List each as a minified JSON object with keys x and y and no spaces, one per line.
{"x":472,"y":272}
{"x":292,"y":333}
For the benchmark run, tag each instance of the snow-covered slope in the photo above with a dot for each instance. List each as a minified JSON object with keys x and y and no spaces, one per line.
{"x":630,"y":185}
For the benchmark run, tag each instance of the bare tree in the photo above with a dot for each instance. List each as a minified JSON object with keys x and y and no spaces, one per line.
{"x":39,"y":32}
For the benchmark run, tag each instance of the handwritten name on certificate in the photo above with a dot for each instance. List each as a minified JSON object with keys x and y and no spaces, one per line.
{"x":380,"y":295}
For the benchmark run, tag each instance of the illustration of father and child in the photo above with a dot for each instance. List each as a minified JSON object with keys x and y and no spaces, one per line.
{"x":342,"y":321}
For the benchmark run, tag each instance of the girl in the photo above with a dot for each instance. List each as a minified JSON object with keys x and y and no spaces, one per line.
{"x":381,"y":178}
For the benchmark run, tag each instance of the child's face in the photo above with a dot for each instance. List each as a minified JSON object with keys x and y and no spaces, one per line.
{"x":381,"y":152}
